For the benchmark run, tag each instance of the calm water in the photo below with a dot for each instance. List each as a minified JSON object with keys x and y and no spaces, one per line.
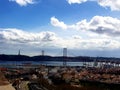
{"x":49,"y":63}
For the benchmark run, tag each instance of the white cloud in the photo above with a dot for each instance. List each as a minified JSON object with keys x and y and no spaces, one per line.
{"x":99,"y":24}
{"x":50,"y":39}
{"x":23,"y":2}
{"x":20,"y":36}
{"x":105,"y":25}
{"x":55,"y":22}
{"x":12,"y":39}
{"x":77,"y":37}
{"x":114,"y":5}
{"x":76,"y":1}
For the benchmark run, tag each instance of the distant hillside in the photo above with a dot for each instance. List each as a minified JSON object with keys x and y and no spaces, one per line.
{"x":14,"y":57}
{"x":4,"y":57}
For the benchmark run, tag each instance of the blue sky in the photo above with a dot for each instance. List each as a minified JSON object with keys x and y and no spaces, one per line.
{"x":39,"y":14}
{"x":85,"y":27}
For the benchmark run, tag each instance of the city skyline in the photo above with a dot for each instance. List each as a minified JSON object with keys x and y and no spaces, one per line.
{"x":85,"y":27}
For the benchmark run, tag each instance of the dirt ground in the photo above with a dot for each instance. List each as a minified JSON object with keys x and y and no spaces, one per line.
{"x":4,"y":84}
{"x":7,"y":87}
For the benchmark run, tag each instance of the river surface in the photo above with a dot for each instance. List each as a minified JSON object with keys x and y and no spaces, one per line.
{"x":49,"y":63}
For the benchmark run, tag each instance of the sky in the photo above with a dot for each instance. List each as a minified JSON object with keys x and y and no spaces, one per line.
{"x":84,"y":27}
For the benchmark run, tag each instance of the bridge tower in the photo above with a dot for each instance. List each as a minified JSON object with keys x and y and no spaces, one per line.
{"x":43,"y":52}
{"x":19,"y":52}
{"x":64,"y":56}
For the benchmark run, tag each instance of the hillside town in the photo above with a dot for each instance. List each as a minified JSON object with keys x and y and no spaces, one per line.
{"x":61,"y":77}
